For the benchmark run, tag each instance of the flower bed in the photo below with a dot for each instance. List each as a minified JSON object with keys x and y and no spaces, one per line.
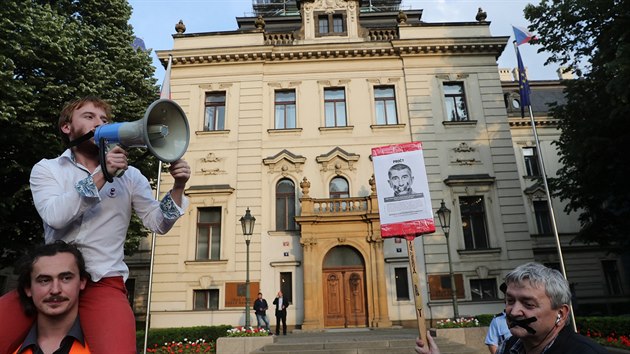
{"x":247,"y":332}
{"x":462,"y":322}
{"x":185,"y":347}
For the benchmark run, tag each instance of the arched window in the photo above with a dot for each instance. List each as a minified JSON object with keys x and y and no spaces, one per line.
{"x":339,"y":188}
{"x":285,"y":205}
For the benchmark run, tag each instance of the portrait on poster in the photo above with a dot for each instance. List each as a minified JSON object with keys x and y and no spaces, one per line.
{"x":402,"y":187}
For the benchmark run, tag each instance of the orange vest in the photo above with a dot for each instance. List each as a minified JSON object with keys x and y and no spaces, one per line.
{"x":77,"y":348}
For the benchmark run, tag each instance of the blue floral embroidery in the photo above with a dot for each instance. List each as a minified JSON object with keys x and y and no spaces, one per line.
{"x":87,"y":188}
{"x":169,"y":208}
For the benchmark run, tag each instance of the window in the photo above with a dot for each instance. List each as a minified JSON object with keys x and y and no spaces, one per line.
{"x":339,"y":188}
{"x":455,"y":100}
{"x":130,"y":285}
{"x":286,"y":285}
{"x":330,"y":24}
{"x":402,"y":284}
{"x":483,"y":289}
{"x":474,"y":222}
{"x":215,"y":111}
{"x":543,"y":217}
{"x":206,"y":299}
{"x":531,"y":161}
{"x":613,"y":279}
{"x":385,"y":105}
{"x":285,"y":205}
{"x":3,"y":284}
{"x":335,"y":107}
{"x":285,"y":109}
{"x":440,"y":286}
{"x":209,"y":234}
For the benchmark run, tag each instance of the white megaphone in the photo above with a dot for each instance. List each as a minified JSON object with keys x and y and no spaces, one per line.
{"x":163,"y":131}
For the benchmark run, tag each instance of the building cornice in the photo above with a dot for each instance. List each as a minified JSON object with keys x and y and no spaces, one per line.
{"x":394,"y":48}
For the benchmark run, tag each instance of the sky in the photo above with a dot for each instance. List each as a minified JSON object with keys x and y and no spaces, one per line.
{"x":154,"y":22}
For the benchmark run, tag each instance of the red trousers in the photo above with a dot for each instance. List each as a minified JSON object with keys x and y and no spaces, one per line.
{"x":107,"y":320}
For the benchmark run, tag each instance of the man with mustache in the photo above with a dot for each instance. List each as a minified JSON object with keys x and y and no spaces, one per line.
{"x":77,"y":204}
{"x":49,"y":283}
{"x":537,"y":308}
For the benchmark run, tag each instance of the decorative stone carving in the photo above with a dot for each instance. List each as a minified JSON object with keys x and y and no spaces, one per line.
{"x":207,"y":165}
{"x":337,"y":159}
{"x":482,"y":272}
{"x":180,"y":27}
{"x":481,"y":15}
{"x":285,"y":163}
{"x":205,"y":282}
{"x":372,"y":183}
{"x":305,"y":185}
{"x":259,"y":23}
{"x":308,"y":243}
{"x":402,"y":17}
{"x":464,"y":154}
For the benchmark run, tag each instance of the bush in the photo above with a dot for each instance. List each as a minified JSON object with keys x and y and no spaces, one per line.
{"x":605,"y":326}
{"x":485,"y":319}
{"x":160,"y":336}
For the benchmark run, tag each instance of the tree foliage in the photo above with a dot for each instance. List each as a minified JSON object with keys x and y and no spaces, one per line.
{"x":52,"y":52}
{"x":592,"y":37}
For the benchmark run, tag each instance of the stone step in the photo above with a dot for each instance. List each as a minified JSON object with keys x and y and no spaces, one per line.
{"x":355,"y":346}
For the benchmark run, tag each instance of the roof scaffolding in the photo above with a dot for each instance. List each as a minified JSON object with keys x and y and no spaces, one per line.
{"x":268,"y":8}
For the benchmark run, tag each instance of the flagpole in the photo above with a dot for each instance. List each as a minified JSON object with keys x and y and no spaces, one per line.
{"x":165,"y":92}
{"x":547,"y":193}
{"x":153,"y":238}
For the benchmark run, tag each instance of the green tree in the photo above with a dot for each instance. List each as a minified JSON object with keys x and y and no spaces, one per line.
{"x":592,"y":37}
{"x":52,"y":52}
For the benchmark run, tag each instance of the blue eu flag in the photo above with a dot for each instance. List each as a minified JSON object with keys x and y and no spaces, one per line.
{"x":523,"y":84}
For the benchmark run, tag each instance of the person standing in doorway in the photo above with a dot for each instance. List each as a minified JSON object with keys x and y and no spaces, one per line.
{"x":260,"y":307}
{"x":281,"y":313}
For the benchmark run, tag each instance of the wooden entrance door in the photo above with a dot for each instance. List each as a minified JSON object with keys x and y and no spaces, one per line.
{"x":344,"y":297}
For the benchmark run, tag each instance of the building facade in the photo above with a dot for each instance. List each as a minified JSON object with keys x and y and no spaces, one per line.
{"x":284,"y":113}
{"x":598,"y":276}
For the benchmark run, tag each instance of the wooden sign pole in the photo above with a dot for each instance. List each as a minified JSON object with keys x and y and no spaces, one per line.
{"x":417,"y":295}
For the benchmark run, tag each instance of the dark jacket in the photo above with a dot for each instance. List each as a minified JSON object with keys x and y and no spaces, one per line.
{"x":285,"y":304}
{"x":567,"y":342}
{"x":260,"y":306}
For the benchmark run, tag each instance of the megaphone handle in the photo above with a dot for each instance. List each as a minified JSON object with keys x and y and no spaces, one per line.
{"x":102,"y":151}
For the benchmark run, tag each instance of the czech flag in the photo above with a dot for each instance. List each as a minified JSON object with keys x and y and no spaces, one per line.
{"x":522,"y":35}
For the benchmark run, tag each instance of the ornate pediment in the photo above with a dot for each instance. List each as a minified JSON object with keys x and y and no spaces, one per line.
{"x":210,"y":164}
{"x":337,"y":159}
{"x":285,"y":162}
{"x":464,"y":154}
{"x":536,"y":192}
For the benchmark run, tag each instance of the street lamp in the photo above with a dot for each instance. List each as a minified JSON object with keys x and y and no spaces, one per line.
{"x":444,"y":215}
{"x":247,"y":222}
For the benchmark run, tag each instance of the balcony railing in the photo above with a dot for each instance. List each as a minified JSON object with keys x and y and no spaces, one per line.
{"x":278,"y":38}
{"x":338,"y":206}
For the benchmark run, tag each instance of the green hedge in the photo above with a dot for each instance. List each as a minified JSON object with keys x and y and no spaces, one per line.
{"x":166,"y":335}
{"x":484,"y":320}
{"x":604,"y":326}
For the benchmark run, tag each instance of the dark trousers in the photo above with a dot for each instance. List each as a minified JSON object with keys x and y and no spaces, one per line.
{"x":281,"y":316}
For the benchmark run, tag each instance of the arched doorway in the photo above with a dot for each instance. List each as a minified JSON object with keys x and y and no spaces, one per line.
{"x":344,"y":288}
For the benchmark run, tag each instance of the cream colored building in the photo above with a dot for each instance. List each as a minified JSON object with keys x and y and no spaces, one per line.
{"x":284,"y":112}
{"x":597,"y":275}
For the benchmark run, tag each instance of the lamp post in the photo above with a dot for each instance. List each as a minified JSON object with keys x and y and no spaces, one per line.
{"x":444,"y":215}
{"x":247,"y":222}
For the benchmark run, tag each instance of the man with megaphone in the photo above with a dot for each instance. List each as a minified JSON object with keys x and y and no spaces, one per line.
{"x":78,"y":205}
